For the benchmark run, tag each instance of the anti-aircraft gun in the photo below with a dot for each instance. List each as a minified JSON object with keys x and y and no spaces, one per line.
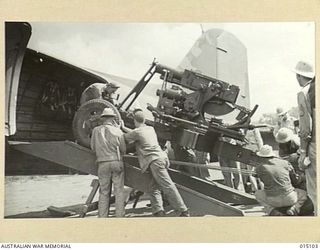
{"x":187,"y":113}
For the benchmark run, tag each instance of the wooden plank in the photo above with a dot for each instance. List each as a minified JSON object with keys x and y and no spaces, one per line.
{"x":252,"y":210}
{"x":38,"y":78}
{"x":58,"y":127}
{"x":211,"y":189}
{"x":26,"y":108}
{"x":41,"y":131}
{"x":39,"y":135}
{"x":24,"y":118}
{"x":22,"y":135}
{"x":35,"y":88}
{"x":200,"y":204}
{"x":24,"y":112}
{"x":27,"y":98}
{"x":21,"y":86}
{"x":24,"y":126}
{"x":27,"y":101}
{"x":31,"y":117}
{"x":58,"y":137}
{"x":53,"y":212}
{"x":24,"y":76}
{"x":39,"y":127}
{"x":58,"y":212}
{"x":32,"y":94}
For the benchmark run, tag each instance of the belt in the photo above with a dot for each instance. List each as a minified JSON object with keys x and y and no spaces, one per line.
{"x":111,"y":160}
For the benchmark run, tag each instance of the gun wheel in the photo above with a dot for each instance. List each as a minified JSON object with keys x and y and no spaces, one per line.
{"x":87,"y":118}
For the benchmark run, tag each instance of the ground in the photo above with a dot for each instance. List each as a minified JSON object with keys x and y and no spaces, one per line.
{"x":35,"y":193}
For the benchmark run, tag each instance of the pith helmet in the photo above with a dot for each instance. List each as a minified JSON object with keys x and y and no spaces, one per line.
{"x":265,"y":151}
{"x":113,"y":85}
{"x":304,"y":69}
{"x":283,"y":113}
{"x":284,"y":135}
{"x":279,"y":110}
{"x":108,"y":112}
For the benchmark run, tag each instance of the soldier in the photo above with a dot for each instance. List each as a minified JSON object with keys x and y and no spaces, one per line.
{"x":253,"y":142}
{"x":284,"y":120}
{"x":306,"y":103}
{"x":289,"y":144}
{"x":230,"y":179}
{"x":152,"y":157}
{"x":108,"y":144}
{"x":104,"y":91}
{"x":278,"y":190}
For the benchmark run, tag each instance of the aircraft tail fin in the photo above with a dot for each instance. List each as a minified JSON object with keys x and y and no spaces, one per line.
{"x":221,"y":55}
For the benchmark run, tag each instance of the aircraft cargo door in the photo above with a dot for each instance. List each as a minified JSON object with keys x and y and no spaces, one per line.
{"x":17,"y":35}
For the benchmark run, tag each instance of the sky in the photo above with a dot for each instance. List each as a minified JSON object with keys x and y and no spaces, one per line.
{"x":127,"y":49}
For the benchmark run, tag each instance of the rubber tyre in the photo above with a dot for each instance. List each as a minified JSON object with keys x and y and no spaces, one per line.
{"x":87,"y":117}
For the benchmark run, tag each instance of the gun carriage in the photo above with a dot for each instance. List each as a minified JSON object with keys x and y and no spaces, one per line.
{"x":190,"y":112}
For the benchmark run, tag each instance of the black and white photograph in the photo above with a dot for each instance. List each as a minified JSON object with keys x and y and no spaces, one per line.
{"x":135,"y":120}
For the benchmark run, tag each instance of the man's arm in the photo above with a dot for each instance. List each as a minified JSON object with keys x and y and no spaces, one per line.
{"x":122,"y":145}
{"x":281,"y":151}
{"x":93,"y":139}
{"x":131,"y":136}
{"x":295,"y":179}
{"x":304,"y":121}
{"x":304,"y":126}
{"x":124,"y":128}
{"x":258,"y":138}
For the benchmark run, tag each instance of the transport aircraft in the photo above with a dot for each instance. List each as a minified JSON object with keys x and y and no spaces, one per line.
{"x":42,"y":95}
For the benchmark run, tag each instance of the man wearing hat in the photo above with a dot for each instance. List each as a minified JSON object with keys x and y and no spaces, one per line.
{"x":108,"y":144}
{"x":104,"y":91}
{"x":278,"y":190}
{"x":284,"y":120}
{"x":306,"y":103}
{"x":151,"y":157}
{"x":289,"y":144}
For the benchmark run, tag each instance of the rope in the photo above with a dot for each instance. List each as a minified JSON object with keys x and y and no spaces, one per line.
{"x":211,"y":166}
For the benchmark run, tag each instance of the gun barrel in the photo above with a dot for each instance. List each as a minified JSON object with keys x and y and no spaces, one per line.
{"x":174,"y":76}
{"x":212,"y":127}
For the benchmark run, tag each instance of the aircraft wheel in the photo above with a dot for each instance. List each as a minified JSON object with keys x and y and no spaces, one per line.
{"x":87,"y":118}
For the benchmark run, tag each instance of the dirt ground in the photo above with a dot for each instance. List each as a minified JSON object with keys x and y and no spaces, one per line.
{"x":35,"y":193}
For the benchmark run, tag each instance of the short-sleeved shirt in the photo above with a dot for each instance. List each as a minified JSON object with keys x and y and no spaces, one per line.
{"x":147,"y":146}
{"x":254,"y":140}
{"x":275,"y":177}
{"x":108,"y":143}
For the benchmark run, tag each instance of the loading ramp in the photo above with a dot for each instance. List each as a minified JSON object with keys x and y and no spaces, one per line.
{"x":202,"y":197}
